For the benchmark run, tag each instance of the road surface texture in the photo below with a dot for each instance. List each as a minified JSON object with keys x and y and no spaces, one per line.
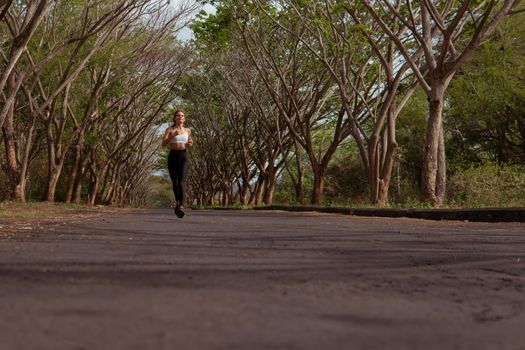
{"x":262,"y":280}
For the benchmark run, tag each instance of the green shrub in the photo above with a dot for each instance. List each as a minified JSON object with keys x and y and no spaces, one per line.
{"x":345,"y":181}
{"x":488,"y":185}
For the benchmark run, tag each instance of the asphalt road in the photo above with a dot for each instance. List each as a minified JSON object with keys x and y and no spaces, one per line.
{"x":262,"y":280}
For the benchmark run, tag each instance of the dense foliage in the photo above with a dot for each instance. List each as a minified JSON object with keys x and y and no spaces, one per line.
{"x":85,"y":86}
{"x":339,"y":103}
{"x":314,"y":101}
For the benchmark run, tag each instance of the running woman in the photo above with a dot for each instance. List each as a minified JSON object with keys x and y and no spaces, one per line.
{"x":178,"y":138}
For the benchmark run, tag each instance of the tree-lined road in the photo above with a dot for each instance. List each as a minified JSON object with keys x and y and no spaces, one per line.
{"x":262,"y":280}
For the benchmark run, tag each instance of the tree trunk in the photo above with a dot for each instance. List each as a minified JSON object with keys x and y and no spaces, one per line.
{"x":441,"y":177}
{"x":224,"y":201}
{"x":255,"y":193}
{"x":373,"y":168}
{"x":387,"y":161}
{"x":245,"y":187}
{"x":226,"y":190}
{"x":56,"y":153}
{"x":12,"y":168}
{"x":259,"y":190}
{"x":270,"y":183}
{"x":75,"y":169}
{"x":77,"y":192}
{"x":72,"y":178}
{"x":17,"y":158}
{"x":299,"y":186}
{"x":55,"y":163}
{"x":112,"y":186}
{"x":269,"y":191}
{"x":318,"y":189}
{"x":433,"y":177}
{"x":93,"y":188}
{"x":52,"y":184}
{"x":93,"y":183}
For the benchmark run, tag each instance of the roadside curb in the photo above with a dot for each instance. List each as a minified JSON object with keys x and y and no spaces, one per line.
{"x":482,"y":214}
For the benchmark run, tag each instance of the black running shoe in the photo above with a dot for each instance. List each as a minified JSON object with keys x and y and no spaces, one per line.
{"x":179,"y":212}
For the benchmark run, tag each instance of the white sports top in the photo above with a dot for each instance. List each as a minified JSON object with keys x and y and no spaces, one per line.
{"x":180,"y":138}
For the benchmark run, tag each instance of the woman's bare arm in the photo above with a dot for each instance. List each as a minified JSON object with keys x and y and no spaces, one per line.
{"x":190,"y":140}
{"x":167,"y":136}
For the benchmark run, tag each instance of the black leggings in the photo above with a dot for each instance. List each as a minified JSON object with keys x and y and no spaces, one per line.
{"x":177,"y":166}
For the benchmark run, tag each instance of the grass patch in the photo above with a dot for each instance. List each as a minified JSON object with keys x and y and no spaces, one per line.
{"x":36,"y":210}
{"x":16,"y":217}
{"x":44,"y":210}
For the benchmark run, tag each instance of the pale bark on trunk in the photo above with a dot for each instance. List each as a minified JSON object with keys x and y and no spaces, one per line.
{"x":112,"y":186}
{"x":441,"y":177}
{"x":387,"y":158}
{"x":56,"y":153}
{"x":17,"y":152}
{"x":260,"y":194}
{"x":245,"y":187}
{"x":93,"y":189}
{"x":259,"y":191}
{"x":270,"y":189}
{"x":270,"y":176}
{"x":52,"y":184}
{"x":253,"y":193}
{"x":244,"y":181}
{"x":12,"y":168}
{"x":94,"y":179}
{"x":74,"y":173}
{"x":319,"y":167}
{"x":433,"y":180}
{"x":54,"y":168}
{"x":299,"y":186}
{"x":79,"y":164}
{"x":226,"y":197}
{"x":318,"y":186}
{"x":77,"y":192}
